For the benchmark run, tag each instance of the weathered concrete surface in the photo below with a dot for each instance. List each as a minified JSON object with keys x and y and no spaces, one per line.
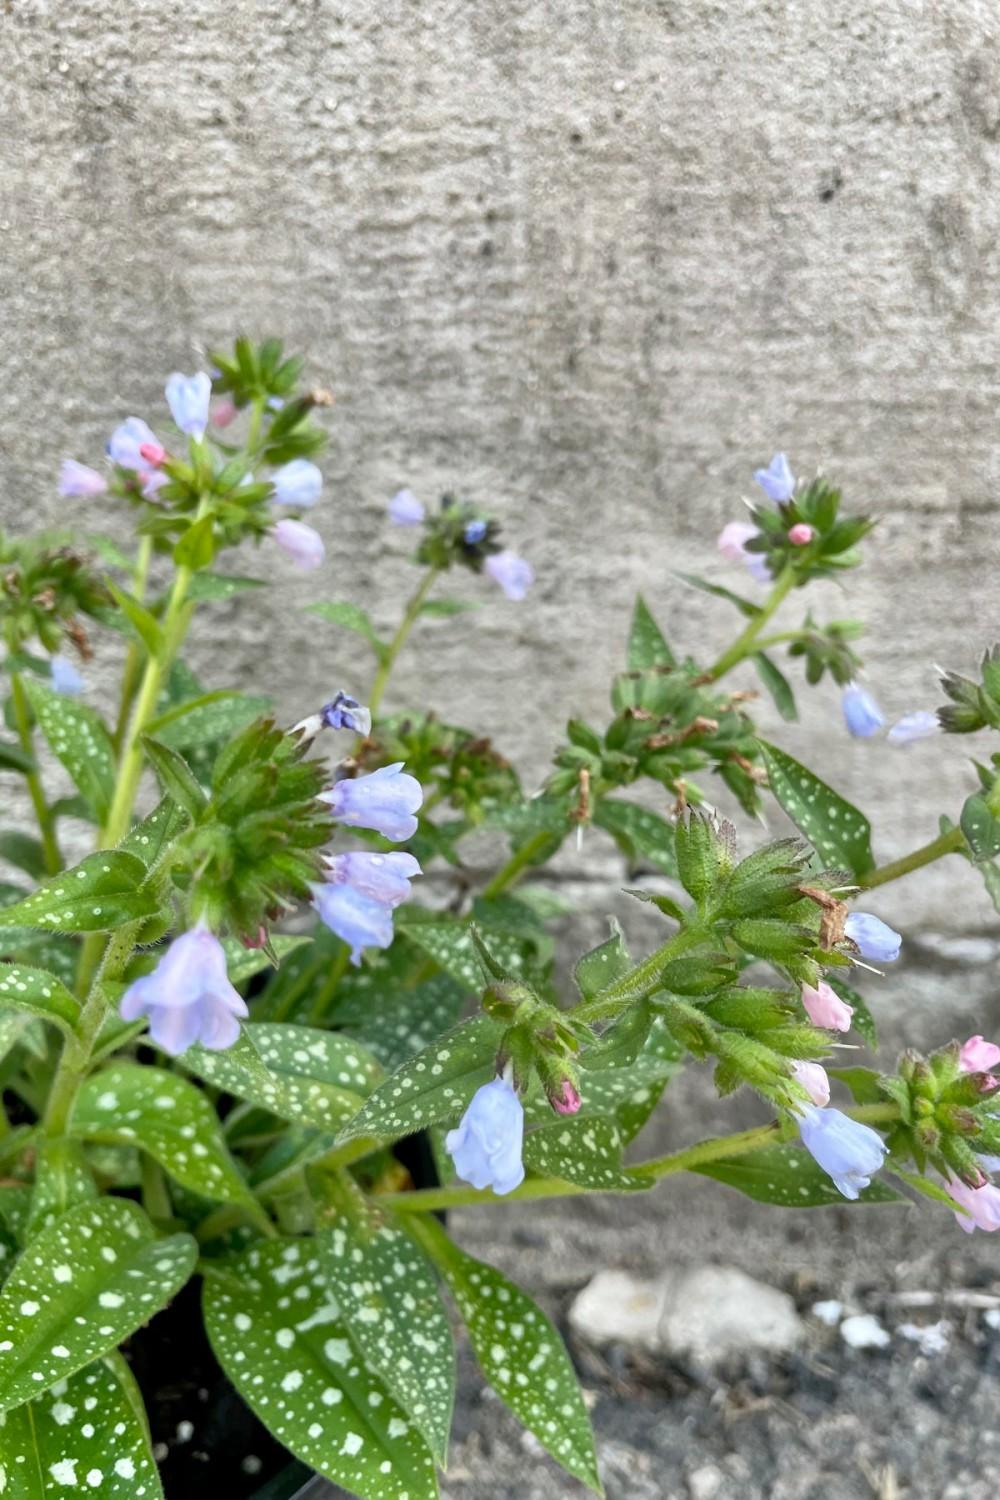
{"x":587,"y":262}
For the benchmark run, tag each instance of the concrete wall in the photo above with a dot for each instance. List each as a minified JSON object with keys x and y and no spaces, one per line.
{"x":586,"y":262}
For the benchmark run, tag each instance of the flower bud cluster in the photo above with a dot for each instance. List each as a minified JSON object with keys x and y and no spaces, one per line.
{"x":45,"y":588}
{"x":457,"y":534}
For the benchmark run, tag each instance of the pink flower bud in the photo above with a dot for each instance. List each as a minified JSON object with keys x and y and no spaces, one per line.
{"x":812,"y":1077}
{"x":565,"y":1100}
{"x":153,"y":453}
{"x":977,"y":1055}
{"x":222,"y":412}
{"x":824,"y":1007}
{"x":302,"y":543}
{"x":800,"y":534}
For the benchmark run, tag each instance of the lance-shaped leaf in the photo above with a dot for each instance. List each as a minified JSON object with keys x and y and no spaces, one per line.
{"x":777,"y":685}
{"x":603,"y":964}
{"x":164,"y":1114}
{"x":294,"y":1072}
{"x":638,"y":832}
{"x":243,"y":963}
{"x":98,"y":895}
{"x":210,"y":717}
{"x":351,"y":617}
{"x":647,"y":645}
{"x":839,"y":833}
{"x":213,"y":587}
{"x":387,"y":1293}
{"x":587,"y":1151}
{"x":81,"y":1286}
{"x":403,"y":1022}
{"x":38,"y":992}
{"x":88,"y":1433}
{"x":151,"y":838}
{"x":788,"y":1176}
{"x":24,"y":851}
{"x":176,"y":777}
{"x":519,"y":1352}
{"x":435,"y":1085}
{"x":284,"y":1344}
{"x":76,"y":734}
{"x":451,"y":944}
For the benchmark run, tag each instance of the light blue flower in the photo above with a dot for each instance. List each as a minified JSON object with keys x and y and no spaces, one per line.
{"x":384,"y":801}
{"x":65,"y":677}
{"x":354,"y":917}
{"x":125,"y":442}
{"x":345,"y":712}
{"x":79,"y":481}
{"x":512,"y":573}
{"x":862,"y":714}
{"x":848,"y":1152}
{"x":474,"y":532}
{"x":188,"y":997}
{"x":405,"y":509}
{"x":298,"y":483}
{"x":302,"y":543}
{"x":777,"y":480}
{"x":874,"y":938}
{"x":486,"y":1147}
{"x":188,"y":397}
{"x":378,"y":877}
{"x":912,"y":727}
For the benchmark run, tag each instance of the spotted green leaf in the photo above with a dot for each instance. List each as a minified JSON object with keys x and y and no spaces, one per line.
{"x":40,"y":993}
{"x":87,"y":1434}
{"x":150,"y":838}
{"x":212,"y":587}
{"x":79,"y":1288}
{"x":206,"y":719}
{"x":640,"y":833}
{"x":62,"y":1180}
{"x":839,"y":833}
{"x":405,"y":1021}
{"x":98,"y":895}
{"x":450,"y":943}
{"x":788,"y":1177}
{"x":981,"y":828}
{"x":647,"y":645}
{"x":587,"y":1151}
{"x":296,"y":1072}
{"x":77,"y":736}
{"x":126,"y":1104}
{"x":388,"y":1296}
{"x":243,"y":963}
{"x":284,"y":1344}
{"x":603,"y":964}
{"x":435,"y":1085}
{"x":519,"y":1352}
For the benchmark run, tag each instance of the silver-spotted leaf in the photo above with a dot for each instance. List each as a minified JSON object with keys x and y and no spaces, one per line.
{"x":99,"y":894}
{"x":587,"y":1151}
{"x":77,"y":736}
{"x":840,"y":834}
{"x":788,"y":1176}
{"x":39,"y":993}
{"x":640,"y":833}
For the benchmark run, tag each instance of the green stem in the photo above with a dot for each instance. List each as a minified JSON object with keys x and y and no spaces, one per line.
{"x":43,"y":813}
{"x":398,"y":641}
{"x":140,"y":577}
{"x":747,"y":643}
{"x":517,"y":864}
{"x":645,"y":979}
{"x":74,"y":1063}
{"x":326,"y":991}
{"x":946,"y":843}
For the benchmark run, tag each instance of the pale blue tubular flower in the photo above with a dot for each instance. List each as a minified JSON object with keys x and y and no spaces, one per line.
{"x":848,"y":1152}
{"x":188,"y":397}
{"x":405,"y":509}
{"x":65,"y":677}
{"x":862,"y":714}
{"x":354,"y":917}
{"x":777,"y":480}
{"x":486,"y":1147}
{"x":385,"y":801}
{"x":126,"y":440}
{"x":378,"y":877}
{"x":512,"y":573}
{"x":919,"y":725}
{"x":302,"y":543}
{"x":79,"y":481}
{"x":345,"y":712}
{"x":188,"y":997}
{"x":474,"y":532}
{"x":298,"y":483}
{"x":875,"y":939}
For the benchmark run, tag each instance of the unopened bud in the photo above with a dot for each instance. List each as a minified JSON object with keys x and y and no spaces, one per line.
{"x":800,"y":534}
{"x":222,"y":412}
{"x":565,"y":1100}
{"x":153,"y":453}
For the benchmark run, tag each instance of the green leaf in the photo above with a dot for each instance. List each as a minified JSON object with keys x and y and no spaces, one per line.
{"x":151,"y":838}
{"x":145,"y":625}
{"x":435,"y":1085}
{"x":176,"y":778}
{"x":41,"y":993}
{"x":405,"y":1021}
{"x":126,"y":1104}
{"x":788,"y":1177}
{"x":285,"y":1346}
{"x":640,"y":833}
{"x":587,"y":1151}
{"x":212,"y":587}
{"x":13,"y":758}
{"x":243,"y":963}
{"x":450,"y":943}
{"x":520,"y":1353}
{"x":445,"y":609}
{"x":351,"y":617}
{"x":294,"y":1072}
{"x":777,"y":685}
{"x":863,"y":1021}
{"x":604,"y":964}
{"x":84,"y":1284}
{"x":89,"y":1434}
{"x":196,"y":547}
{"x":204,"y":720}
{"x":981,"y":828}
{"x":77,"y":736}
{"x":745,"y":606}
{"x":63,"y":1179}
{"x":840,"y":834}
{"x":647,"y":645}
{"x":24,"y":851}
{"x":927,"y":1188}
{"x":864,"y":1084}
{"x":387,"y":1294}
{"x":98,"y":895}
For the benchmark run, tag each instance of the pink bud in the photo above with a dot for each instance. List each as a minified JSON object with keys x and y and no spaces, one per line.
{"x":977,"y":1055}
{"x":223,"y":412}
{"x":824,"y":1007}
{"x":565,"y":1100}
{"x":255,"y":940}
{"x":153,"y":453}
{"x":801,"y":535}
{"x":813,"y":1079}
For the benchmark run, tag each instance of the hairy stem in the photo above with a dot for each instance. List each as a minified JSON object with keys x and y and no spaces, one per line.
{"x":74,"y":1063}
{"x":130,"y":674}
{"x":947,"y":843}
{"x":517,"y":864}
{"x":746,"y":643}
{"x":43,"y":813}
{"x":398,"y":641}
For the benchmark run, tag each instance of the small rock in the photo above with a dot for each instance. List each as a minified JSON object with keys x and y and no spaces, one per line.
{"x":617,"y":1308}
{"x":704,"y":1483}
{"x":862,"y":1331}
{"x":931,"y":1337}
{"x":829,"y":1312}
{"x":714,"y":1312}
{"x":992,"y":1317}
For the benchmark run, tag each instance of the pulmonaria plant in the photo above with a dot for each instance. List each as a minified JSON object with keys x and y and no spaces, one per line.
{"x":218,"y":1027}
